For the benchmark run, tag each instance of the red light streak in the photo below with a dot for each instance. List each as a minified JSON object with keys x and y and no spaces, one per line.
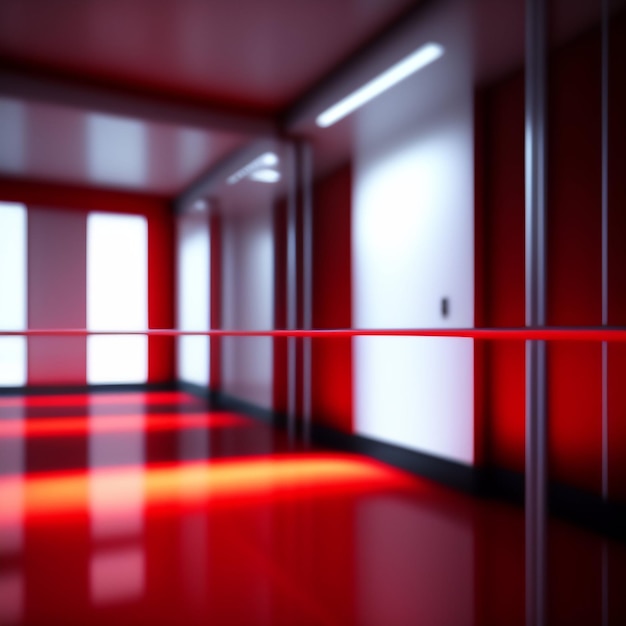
{"x":102,"y":424}
{"x":587,"y":333}
{"x":101,"y":399}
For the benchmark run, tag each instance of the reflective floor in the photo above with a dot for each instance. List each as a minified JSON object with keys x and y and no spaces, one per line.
{"x":147,"y":508}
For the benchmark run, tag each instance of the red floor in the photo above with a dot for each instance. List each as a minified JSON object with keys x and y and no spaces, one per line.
{"x":147,"y":509}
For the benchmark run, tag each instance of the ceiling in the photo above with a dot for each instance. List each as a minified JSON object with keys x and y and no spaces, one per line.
{"x":249,"y":57}
{"x":255,"y":54}
{"x":46,"y":142}
{"x":149,"y":95}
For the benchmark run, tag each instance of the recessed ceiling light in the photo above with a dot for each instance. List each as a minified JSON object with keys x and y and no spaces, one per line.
{"x":265,"y":176}
{"x":396,"y":73}
{"x":200,"y":205}
{"x":268,"y":159}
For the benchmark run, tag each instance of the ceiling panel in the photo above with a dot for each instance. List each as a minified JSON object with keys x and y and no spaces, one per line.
{"x":66,"y":145}
{"x":251,"y":53}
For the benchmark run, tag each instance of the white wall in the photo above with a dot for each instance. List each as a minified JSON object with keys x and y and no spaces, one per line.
{"x":412,"y":245}
{"x":193,"y":297}
{"x":248,"y":304}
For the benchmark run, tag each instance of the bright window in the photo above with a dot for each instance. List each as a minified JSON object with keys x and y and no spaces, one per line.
{"x":117,"y":297}
{"x":193,"y":298}
{"x":13,"y":292}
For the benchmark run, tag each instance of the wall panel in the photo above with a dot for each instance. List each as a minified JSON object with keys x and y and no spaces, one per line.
{"x":57,"y":283}
{"x":331,"y":382}
{"x":79,"y":201}
{"x":574,"y":262}
{"x":248,"y":304}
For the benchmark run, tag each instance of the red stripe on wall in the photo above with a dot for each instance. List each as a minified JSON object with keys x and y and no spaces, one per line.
{"x":215,"y":343}
{"x":160,"y":294}
{"x":617,"y":256}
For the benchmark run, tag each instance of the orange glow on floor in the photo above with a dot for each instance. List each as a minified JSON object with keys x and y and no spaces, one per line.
{"x":217,"y":481}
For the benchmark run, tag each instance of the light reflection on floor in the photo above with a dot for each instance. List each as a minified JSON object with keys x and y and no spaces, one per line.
{"x":149,"y":509}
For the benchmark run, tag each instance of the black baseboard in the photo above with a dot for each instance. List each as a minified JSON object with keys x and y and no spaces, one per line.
{"x":571,"y":504}
{"x":227,"y":402}
{"x":449,"y":473}
{"x":589,"y":510}
{"x":204,"y":393}
{"x":568,"y":503}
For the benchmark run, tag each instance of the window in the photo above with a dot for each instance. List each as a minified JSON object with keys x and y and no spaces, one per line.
{"x":193,"y":298}
{"x":13,"y":293}
{"x":117,"y":297}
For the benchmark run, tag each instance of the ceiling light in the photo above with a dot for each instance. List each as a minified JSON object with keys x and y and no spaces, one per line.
{"x":199,"y":206}
{"x":265,"y":176}
{"x":396,"y":73}
{"x":268,"y":159}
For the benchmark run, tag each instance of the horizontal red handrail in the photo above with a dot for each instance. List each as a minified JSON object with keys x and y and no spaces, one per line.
{"x":555,"y":333}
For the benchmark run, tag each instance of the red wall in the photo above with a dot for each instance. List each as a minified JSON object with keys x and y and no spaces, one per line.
{"x":160,"y":250}
{"x":617,"y":257}
{"x":57,"y":284}
{"x":331,"y":359}
{"x":160,"y":290}
{"x":280,"y":399}
{"x":215,"y":343}
{"x":573,"y":264}
{"x":503,"y":278}
{"x":331,"y":375}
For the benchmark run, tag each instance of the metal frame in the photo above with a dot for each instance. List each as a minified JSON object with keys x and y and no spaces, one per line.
{"x":536,"y":414}
{"x":299,"y":361}
{"x":604,"y":25}
{"x":218,"y":173}
{"x":76,"y":94}
{"x":292,"y":286}
{"x":306,"y":196}
{"x":605,"y":238}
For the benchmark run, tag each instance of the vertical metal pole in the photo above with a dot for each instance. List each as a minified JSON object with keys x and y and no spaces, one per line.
{"x":306,"y":190}
{"x":536,"y":418}
{"x":605,"y":291}
{"x":605,"y":242}
{"x":605,"y":583}
{"x":291,"y":290}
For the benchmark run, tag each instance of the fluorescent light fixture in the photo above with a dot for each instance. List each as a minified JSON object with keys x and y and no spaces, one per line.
{"x":266,"y":160}
{"x":265,"y":176}
{"x":117,"y":150}
{"x":396,"y":73}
